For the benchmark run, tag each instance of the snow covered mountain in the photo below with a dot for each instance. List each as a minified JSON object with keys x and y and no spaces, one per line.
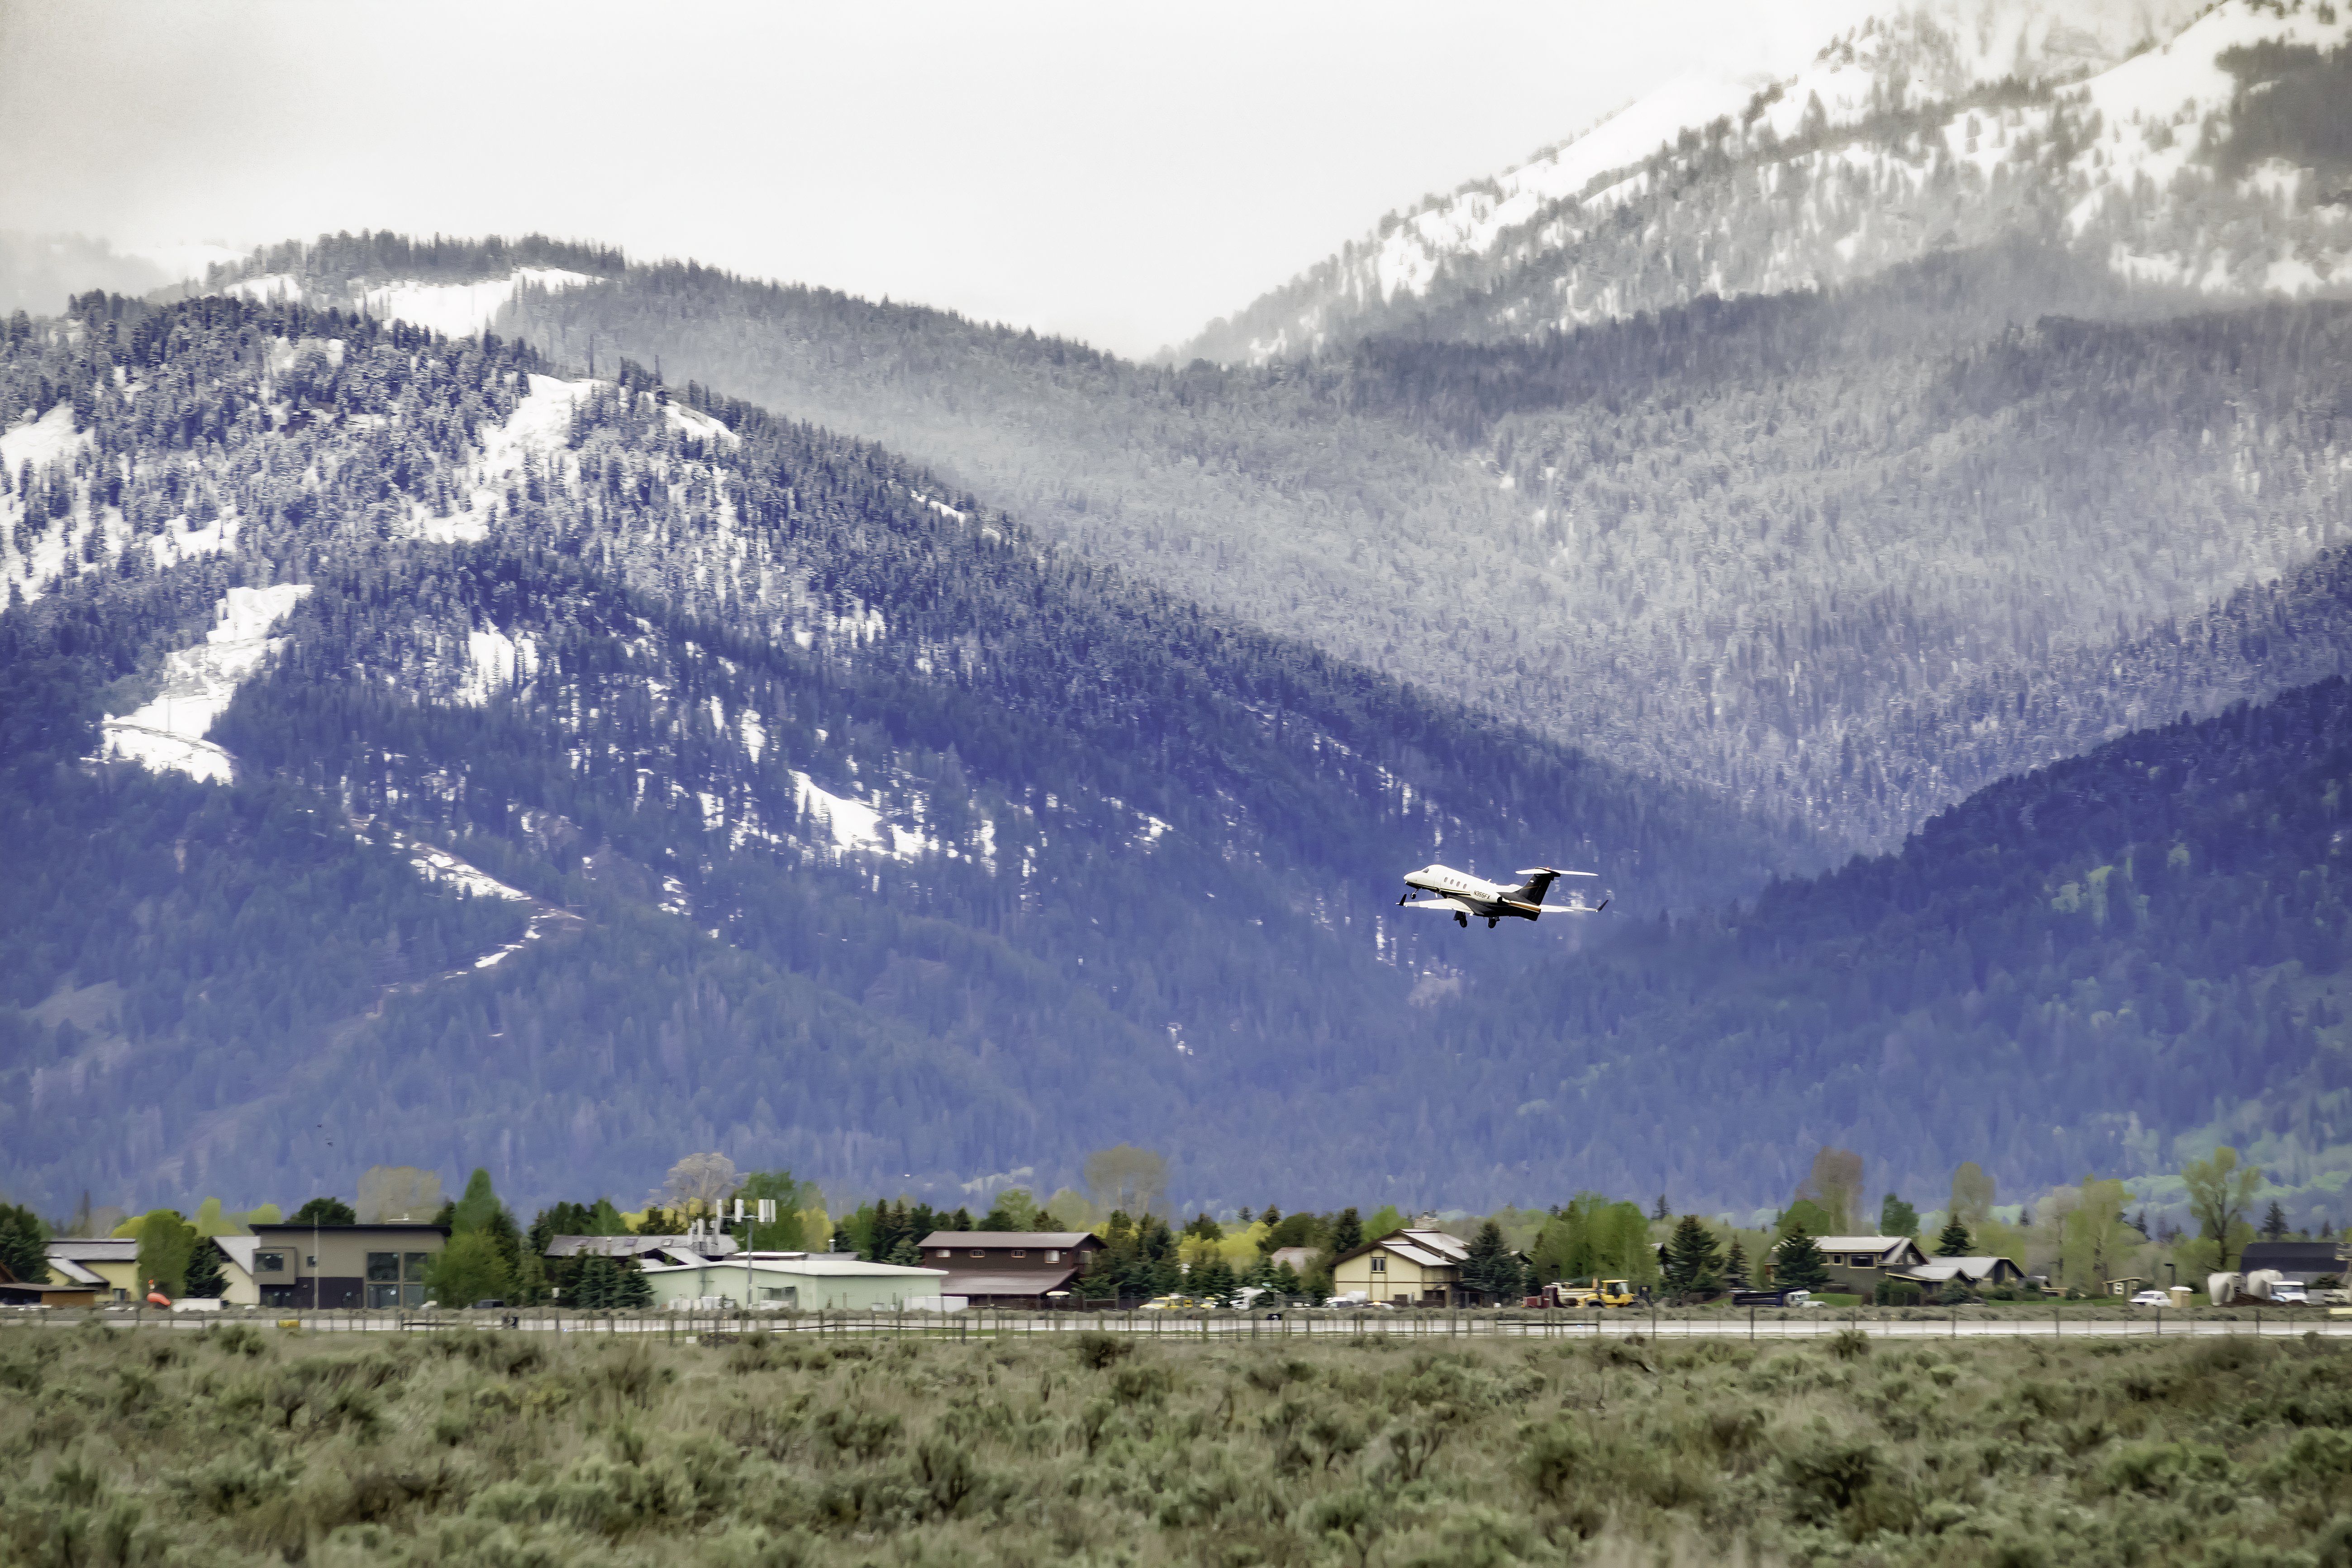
{"x":419,"y":739}
{"x":2186,"y":149}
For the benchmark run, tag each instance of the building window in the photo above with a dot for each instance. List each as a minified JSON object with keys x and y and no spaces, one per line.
{"x":412,"y":1266}
{"x":1021,"y":1252}
{"x":270,"y":1262}
{"x":1053,"y":1257}
{"x":383,"y":1266}
{"x":1379,"y":1264}
{"x":980,"y":1252}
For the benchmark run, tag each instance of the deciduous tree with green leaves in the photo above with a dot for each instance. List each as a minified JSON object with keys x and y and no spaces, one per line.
{"x":1896,"y":1217}
{"x":325,"y":1211}
{"x":2220,"y":1191}
{"x":166,"y":1242}
{"x":469,"y":1269}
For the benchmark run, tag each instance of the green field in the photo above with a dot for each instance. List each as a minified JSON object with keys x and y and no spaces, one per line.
{"x":240,"y":1444}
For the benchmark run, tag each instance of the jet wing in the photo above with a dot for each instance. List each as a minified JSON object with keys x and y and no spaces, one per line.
{"x":1554,"y":870}
{"x":1571,"y":908}
{"x":1448,"y":905}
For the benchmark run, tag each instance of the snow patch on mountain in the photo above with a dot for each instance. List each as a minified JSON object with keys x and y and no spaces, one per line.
{"x":461,"y":310}
{"x":168,"y":732}
{"x":496,"y":664}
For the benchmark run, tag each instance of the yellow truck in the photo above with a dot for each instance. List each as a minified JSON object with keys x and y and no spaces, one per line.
{"x":1594,"y":1293}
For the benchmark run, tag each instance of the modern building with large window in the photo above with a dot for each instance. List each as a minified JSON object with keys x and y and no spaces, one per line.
{"x":344,"y":1266}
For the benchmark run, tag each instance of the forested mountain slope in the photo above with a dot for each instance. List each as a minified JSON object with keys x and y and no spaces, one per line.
{"x":2063,"y":974}
{"x":1762,"y":545}
{"x":618,"y":771}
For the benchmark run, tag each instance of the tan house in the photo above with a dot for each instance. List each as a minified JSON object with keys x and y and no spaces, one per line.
{"x":1404,"y":1268}
{"x":1857,"y":1263}
{"x":1977,"y":1271}
{"x":344,"y":1266}
{"x":106,"y":1268}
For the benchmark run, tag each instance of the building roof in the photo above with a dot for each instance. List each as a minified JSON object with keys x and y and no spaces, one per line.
{"x":713,"y":1244}
{"x":1298,"y":1258}
{"x":1003,"y":1284}
{"x":94,"y":1250}
{"x":74,"y":1271}
{"x":1430,"y":1249}
{"x":290,"y":1228}
{"x":830,"y":1265}
{"x":2313,"y":1256}
{"x":1878,"y":1244}
{"x":238,"y":1249}
{"x":1063,"y":1239}
{"x":1958,"y":1267}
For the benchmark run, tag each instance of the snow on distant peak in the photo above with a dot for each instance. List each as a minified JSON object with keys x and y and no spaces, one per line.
{"x":1924,"y":52}
{"x":168,"y":732}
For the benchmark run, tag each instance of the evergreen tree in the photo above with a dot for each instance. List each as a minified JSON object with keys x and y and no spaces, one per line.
{"x":1658,"y":1211}
{"x":1214,"y":1281}
{"x":1735,"y":1266}
{"x":1797,"y":1263}
{"x":2274,"y":1223}
{"x":205,"y":1279}
{"x":1896,"y":1217}
{"x":1954,"y":1241}
{"x":1490,"y":1271}
{"x":24,"y":1245}
{"x":1347,"y":1233}
{"x":633,"y":1291}
{"x":530,"y":1278}
{"x":1694,"y":1259}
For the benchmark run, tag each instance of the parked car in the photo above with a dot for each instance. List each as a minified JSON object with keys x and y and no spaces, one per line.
{"x":1791,"y":1297}
{"x":2151,"y":1299}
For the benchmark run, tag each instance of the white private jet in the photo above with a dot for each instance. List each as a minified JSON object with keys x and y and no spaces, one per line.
{"x":1462,"y":895}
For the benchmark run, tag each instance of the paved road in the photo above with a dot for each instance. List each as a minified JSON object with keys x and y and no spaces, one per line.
{"x":1419,"y":1327}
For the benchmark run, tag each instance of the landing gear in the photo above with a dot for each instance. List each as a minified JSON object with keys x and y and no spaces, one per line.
{"x":1462,"y":920}
{"x":1490,"y":921}
{"x":1403,"y":899}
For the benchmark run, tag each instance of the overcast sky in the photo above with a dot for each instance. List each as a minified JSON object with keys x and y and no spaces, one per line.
{"x":1122,"y":173}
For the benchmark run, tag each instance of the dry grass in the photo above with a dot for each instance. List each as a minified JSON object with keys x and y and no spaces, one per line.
{"x":241,"y":1445}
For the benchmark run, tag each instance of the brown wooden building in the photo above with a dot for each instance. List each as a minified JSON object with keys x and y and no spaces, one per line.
{"x":1008,"y":1267}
